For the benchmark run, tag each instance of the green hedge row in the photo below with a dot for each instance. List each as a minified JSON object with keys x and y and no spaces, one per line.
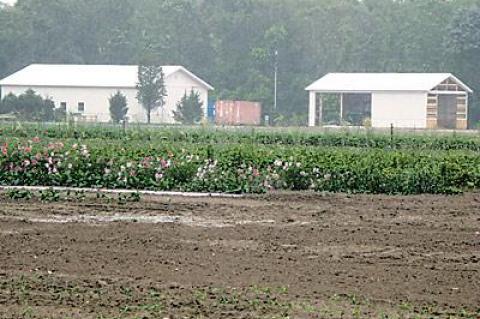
{"x":361,"y":139}
{"x":236,"y":168}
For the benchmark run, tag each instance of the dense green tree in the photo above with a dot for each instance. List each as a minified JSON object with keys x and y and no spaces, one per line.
{"x":28,"y":106}
{"x":151,"y":88}
{"x":464,"y":47}
{"x":189,"y":109}
{"x":118,"y":107}
{"x":8,"y":104}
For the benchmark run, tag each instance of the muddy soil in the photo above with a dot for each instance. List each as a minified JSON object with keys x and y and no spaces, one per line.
{"x":272,"y":256}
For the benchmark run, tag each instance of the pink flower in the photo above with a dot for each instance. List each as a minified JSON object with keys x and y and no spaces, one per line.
{"x":158,"y":176}
{"x":4,"y":149}
{"x":164,"y":163}
{"x":146,"y":162}
{"x":36,"y":139}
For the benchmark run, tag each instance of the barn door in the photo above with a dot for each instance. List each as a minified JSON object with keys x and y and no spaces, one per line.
{"x":447,"y":111}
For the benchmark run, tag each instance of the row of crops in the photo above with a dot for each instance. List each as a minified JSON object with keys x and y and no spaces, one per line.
{"x":361,"y":139}
{"x":233,"y":167}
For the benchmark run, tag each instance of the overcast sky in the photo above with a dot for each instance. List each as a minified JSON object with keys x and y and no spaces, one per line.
{"x":8,"y":1}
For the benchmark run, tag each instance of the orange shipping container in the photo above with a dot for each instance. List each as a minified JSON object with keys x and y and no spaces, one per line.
{"x":238,"y":113}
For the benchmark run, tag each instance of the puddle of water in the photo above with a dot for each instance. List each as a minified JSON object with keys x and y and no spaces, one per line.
{"x":159,"y":219}
{"x":106,"y":219}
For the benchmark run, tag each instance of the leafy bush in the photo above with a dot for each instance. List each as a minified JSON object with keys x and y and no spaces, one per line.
{"x":118,"y":107}
{"x":29,"y":106}
{"x":189,"y":109}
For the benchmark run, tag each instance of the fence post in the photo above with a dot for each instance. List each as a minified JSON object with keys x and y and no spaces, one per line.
{"x":391,"y":135}
{"x":124,"y":126}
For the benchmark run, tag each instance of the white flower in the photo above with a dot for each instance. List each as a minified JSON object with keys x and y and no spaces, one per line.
{"x":278,"y":163}
{"x":69,"y":166}
{"x":129,"y":165}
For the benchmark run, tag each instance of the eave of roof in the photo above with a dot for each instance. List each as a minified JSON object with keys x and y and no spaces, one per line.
{"x":385,"y":82}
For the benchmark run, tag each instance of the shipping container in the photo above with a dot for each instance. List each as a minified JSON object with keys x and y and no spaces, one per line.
{"x":238,"y":113}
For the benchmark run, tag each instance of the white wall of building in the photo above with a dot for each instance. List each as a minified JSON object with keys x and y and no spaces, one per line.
{"x":96,"y":99}
{"x":402,"y":109}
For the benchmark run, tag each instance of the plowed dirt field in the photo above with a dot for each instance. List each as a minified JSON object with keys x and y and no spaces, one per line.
{"x":273,"y":256}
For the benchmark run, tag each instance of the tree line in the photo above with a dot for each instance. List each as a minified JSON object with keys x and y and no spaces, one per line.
{"x":232,"y":43}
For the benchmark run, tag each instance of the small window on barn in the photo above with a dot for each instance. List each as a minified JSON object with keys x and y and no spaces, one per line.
{"x":63,"y":106}
{"x":81,"y":107}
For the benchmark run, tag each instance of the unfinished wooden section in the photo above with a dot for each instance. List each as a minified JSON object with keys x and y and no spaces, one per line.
{"x":432,"y":111}
{"x":447,"y":106}
{"x":449,"y":85}
{"x":462,"y":115}
{"x":448,"y":111}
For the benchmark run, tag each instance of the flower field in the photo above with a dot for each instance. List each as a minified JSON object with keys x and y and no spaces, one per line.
{"x":224,"y":164}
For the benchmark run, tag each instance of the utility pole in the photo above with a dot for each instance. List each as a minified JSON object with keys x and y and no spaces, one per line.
{"x":275,"y":84}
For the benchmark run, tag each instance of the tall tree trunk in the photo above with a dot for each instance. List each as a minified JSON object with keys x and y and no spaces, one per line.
{"x":148,"y":116}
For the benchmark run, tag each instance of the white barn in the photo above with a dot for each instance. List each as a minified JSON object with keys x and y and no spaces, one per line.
{"x":406,"y":100}
{"x":84,"y":90}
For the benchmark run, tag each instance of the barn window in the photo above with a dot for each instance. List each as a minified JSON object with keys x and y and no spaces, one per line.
{"x":63,"y":105}
{"x":81,"y":107}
